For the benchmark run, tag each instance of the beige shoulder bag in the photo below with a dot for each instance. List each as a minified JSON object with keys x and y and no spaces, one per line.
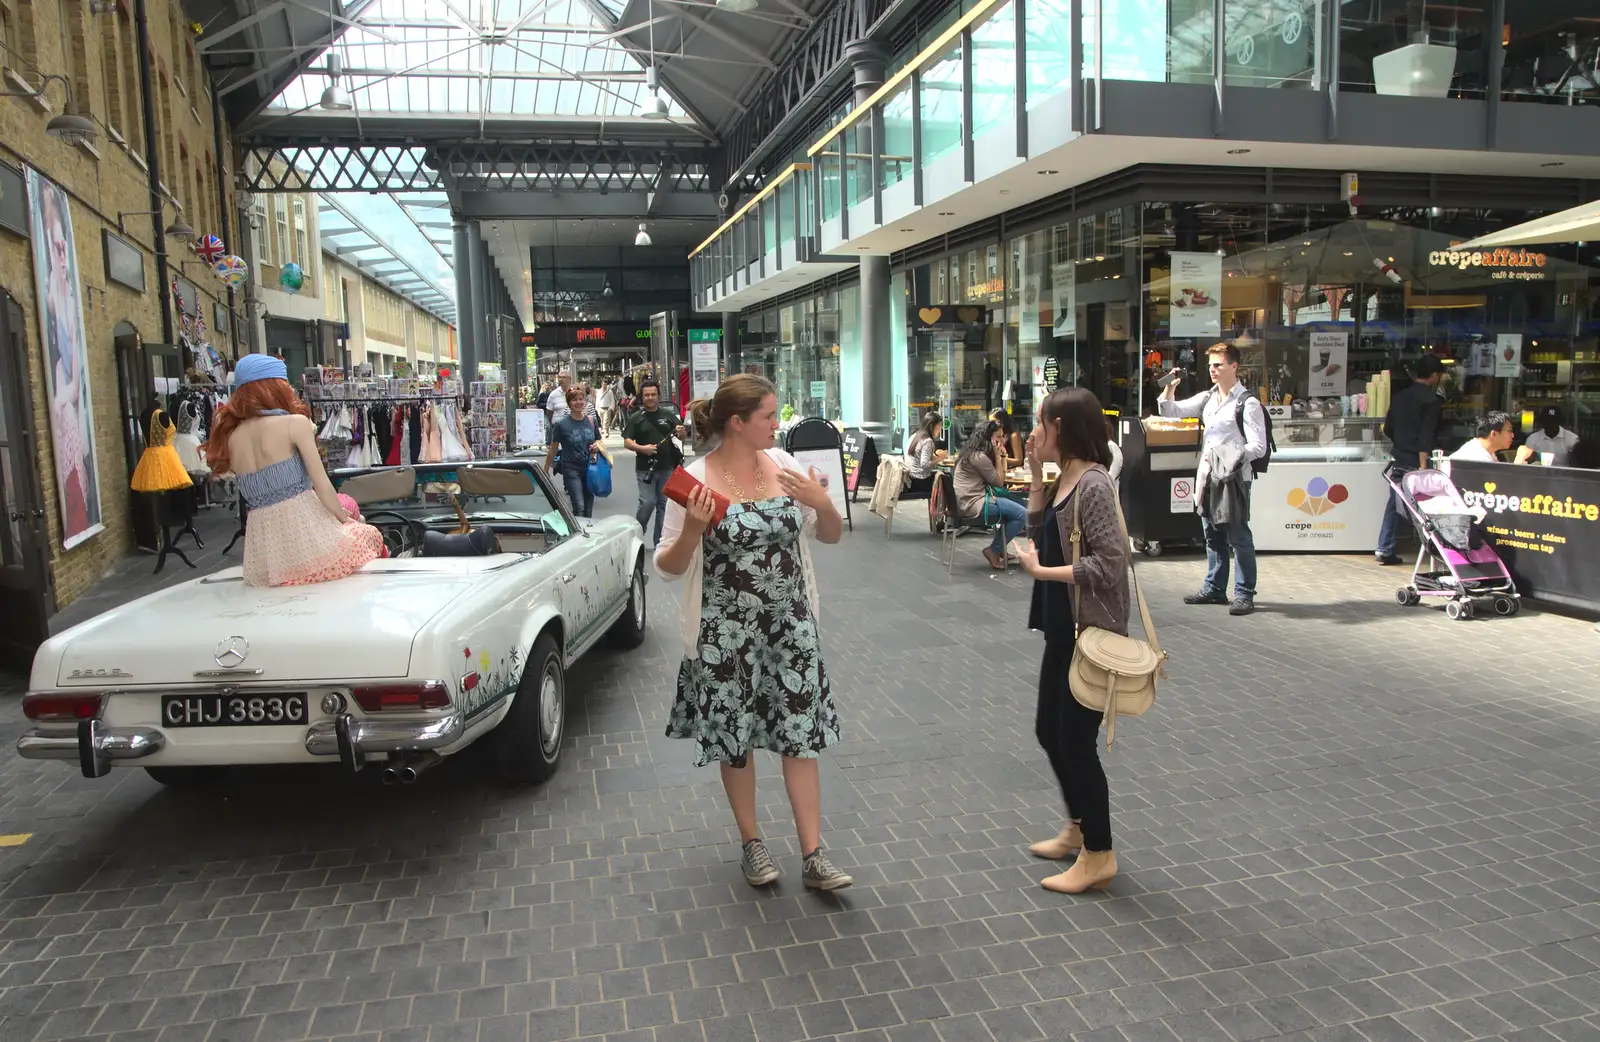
{"x":1111,"y":673}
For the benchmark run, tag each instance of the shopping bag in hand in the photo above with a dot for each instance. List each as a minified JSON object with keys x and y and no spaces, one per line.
{"x":599,"y":477}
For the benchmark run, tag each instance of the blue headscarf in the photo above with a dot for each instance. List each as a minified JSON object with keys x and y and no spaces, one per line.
{"x":259,"y":367}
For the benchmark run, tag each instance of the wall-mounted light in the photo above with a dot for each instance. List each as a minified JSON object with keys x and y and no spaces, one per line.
{"x":69,"y":128}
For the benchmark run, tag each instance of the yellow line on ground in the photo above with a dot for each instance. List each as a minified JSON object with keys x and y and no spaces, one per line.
{"x":15,"y":839}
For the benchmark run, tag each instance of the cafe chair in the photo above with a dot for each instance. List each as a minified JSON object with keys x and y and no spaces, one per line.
{"x":952,"y":522}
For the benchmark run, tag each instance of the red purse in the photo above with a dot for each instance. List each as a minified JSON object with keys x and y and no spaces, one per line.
{"x":680,"y":483}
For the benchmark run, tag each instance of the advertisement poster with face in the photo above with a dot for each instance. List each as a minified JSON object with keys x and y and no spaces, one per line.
{"x":1064,"y":299}
{"x":1508,"y":354}
{"x":66,"y":360}
{"x":1196,"y":294}
{"x":1329,"y":364}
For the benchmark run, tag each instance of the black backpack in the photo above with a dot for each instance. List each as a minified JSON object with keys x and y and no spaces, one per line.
{"x":1258,"y":466}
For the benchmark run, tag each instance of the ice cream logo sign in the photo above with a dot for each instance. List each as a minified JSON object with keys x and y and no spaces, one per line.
{"x":1316,"y":499}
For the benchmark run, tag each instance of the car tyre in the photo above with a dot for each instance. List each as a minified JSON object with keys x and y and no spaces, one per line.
{"x":628,"y":631}
{"x":526,"y":745}
{"x":190,"y":777}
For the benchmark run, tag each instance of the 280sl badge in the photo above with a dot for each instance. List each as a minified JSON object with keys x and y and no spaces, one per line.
{"x":85,"y":674}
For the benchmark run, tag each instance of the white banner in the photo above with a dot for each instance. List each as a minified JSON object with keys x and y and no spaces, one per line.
{"x":1064,"y":299}
{"x":1196,"y":294}
{"x":1330,"y":365}
{"x":1028,"y":331}
{"x":1508,"y":354}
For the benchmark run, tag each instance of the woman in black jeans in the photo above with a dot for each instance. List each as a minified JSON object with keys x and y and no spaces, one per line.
{"x":1072,"y":433}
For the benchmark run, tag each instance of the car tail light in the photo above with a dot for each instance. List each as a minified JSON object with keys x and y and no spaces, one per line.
{"x":52,"y":708}
{"x":380,"y":698}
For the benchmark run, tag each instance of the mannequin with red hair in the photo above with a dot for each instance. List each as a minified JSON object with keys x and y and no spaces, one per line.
{"x":298,"y":531}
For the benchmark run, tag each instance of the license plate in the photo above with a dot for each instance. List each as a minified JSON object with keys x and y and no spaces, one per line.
{"x":237,"y":710}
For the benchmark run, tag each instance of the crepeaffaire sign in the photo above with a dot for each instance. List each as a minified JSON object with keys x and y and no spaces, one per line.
{"x":1503,"y":263}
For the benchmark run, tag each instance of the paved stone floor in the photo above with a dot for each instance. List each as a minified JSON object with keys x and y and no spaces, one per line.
{"x":1344,"y":820}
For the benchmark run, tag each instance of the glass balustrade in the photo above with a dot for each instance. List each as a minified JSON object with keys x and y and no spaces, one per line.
{"x":1047,"y":59}
{"x":994,"y":71}
{"x":898,"y":135}
{"x":942,"y":84}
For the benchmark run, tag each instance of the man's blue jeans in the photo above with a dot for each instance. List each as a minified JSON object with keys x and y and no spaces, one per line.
{"x":1223,"y":542}
{"x":1394,"y":515}
{"x":652,"y":499}
{"x":1013,"y":514}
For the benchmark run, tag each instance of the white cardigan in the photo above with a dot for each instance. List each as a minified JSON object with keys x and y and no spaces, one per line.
{"x":672,"y":527}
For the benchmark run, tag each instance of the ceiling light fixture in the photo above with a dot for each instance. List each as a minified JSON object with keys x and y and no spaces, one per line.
{"x":737,"y":6}
{"x":654,"y":106}
{"x":643,"y":238}
{"x":335,"y":98}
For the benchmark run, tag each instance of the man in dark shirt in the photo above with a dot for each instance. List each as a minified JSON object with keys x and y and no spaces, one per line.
{"x":649,"y":435}
{"x":1413,"y":427}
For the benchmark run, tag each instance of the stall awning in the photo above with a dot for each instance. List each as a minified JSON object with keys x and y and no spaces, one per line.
{"x":1579,"y":224}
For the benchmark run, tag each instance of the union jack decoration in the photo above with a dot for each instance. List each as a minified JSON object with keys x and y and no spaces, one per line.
{"x":210,"y":249}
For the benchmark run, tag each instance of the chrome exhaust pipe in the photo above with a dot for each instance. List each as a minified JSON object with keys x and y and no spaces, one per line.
{"x":408,"y":771}
{"x":390,"y":776}
{"x":408,"y":775}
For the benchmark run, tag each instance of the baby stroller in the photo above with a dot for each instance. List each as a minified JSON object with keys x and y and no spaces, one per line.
{"x":1457,"y":562}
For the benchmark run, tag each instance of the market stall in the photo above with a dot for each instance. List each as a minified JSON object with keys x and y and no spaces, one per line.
{"x":1545,"y":524}
{"x":1324,"y":489}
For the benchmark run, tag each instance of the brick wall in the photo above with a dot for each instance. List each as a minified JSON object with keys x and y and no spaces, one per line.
{"x":99,"y":59}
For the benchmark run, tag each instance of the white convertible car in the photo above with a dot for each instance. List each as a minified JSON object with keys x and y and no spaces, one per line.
{"x":492,"y":590}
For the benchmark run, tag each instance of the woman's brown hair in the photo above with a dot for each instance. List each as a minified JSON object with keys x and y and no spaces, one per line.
{"x":1080,"y":430}
{"x":246,"y":403}
{"x":739,"y":395}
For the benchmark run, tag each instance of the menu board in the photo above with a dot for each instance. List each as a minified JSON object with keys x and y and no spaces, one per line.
{"x":1329,"y":364}
{"x":1196,"y":295}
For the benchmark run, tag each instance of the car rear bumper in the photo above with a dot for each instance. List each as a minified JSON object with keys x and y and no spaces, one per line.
{"x":95,"y":745}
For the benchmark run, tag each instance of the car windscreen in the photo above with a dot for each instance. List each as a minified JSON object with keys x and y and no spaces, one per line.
{"x":480,"y":493}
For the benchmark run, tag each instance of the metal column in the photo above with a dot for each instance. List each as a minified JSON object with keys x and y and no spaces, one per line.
{"x":465,"y":326}
{"x":478,"y":314}
{"x":877,"y":405}
{"x":732,"y":355}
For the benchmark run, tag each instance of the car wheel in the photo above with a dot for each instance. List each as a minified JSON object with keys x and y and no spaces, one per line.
{"x":527,"y":744}
{"x":628,"y":631}
{"x":189,"y":777}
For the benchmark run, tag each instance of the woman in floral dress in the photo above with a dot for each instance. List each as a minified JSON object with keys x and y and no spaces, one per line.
{"x":752,"y":675}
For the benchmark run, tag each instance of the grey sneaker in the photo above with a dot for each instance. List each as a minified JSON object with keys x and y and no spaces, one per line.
{"x":1242,"y":606}
{"x":759,"y":868}
{"x":820,"y":874}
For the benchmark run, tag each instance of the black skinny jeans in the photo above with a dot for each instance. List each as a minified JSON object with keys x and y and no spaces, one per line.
{"x":1070,"y":735}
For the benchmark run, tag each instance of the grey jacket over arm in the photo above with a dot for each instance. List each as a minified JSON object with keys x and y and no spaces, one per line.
{"x":1102,"y":570}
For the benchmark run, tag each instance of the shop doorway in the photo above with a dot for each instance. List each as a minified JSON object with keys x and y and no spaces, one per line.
{"x":26,"y":600}
{"x":146,"y":375}
{"x":291,"y":341}
{"x":958,"y":368}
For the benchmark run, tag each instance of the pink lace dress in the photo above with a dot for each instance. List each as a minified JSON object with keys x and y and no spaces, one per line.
{"x":290,"y":538}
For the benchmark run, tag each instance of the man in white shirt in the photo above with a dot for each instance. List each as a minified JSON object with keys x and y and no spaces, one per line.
{"x":557,"y":402}
{"x":1553,"y":438}
{"x":607,"y":405}
{"x":1494,"y":435}
{"x":1235,"y":421}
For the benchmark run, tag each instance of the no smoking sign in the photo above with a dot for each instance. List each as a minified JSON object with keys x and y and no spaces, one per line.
{"x":1183,"y":495}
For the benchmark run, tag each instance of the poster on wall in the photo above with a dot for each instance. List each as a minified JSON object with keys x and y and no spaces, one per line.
{"x":1508,"y":354}
{"x":1063,"y":299}
{"x":1330,"y":363}
{"x":1117,"y":327}
{"x":1028,"y":323}
{"x":66,"y":360}
{"x":706,"y":367}
{"x":1196,"y":294}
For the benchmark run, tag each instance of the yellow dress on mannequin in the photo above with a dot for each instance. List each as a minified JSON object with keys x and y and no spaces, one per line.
{"x":160,"y":469}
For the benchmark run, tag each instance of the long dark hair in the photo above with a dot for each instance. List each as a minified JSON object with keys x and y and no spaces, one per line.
{"x":931,"y":422}
{"x":1080,"y":430}
{"x":979,"y":443}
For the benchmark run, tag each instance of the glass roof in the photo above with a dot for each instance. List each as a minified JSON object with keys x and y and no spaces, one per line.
{"x":394,"y":240}
{"x":483,"y":59}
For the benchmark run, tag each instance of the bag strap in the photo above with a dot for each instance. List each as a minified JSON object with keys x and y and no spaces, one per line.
{"x":1076,"y":539}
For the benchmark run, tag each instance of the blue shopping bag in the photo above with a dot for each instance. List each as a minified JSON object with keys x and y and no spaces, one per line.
{"x":599,"y":477}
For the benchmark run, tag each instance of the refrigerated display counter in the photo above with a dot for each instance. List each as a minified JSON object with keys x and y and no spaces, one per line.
{"x":1324,"y":490}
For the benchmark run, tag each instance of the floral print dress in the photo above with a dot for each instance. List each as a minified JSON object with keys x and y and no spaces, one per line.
{"x":758,"y":681}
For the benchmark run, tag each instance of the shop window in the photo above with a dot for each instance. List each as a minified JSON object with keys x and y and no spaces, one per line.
{"x":258,"y":228}
{"x":132,"y":112}
{"x":300,"y":253}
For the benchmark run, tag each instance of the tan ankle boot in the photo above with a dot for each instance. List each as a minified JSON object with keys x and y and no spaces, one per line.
{"x":1093,"y":870}
{"x":1070,"y":841}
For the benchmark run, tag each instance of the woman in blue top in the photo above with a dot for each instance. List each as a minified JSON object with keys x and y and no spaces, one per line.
{"x":578,"y":437}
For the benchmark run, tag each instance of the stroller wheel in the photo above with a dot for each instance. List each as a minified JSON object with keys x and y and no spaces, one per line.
{"x":1458,"y":610}
{"x":1152,"y":548}
{"x":1407,"y":596}
{"x":1505,"y":606}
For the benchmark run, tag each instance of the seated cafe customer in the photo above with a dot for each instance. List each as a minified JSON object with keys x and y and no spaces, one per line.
{"x":1552,"y":438}
{"x":1494,"y":435}
{"x":975,"y":476}
{"x":922,"y":453}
